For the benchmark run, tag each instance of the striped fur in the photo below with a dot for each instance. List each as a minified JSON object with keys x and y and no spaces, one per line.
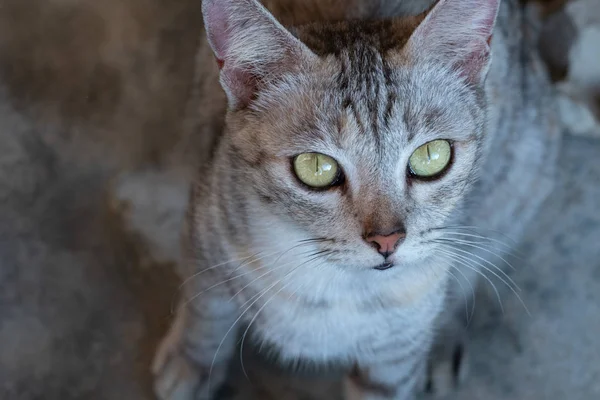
{"x":291,"y":263}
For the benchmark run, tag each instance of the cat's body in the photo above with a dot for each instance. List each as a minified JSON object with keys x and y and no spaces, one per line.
{"x":298,"y":265}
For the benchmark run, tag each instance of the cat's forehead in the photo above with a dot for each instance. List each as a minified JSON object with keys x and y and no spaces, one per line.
{"x":358,"y":37}
{"x":381,"y":106}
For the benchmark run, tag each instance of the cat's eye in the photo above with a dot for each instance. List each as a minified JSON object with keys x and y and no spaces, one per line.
{"x":431,"y":159}
{"x":316,"y":170}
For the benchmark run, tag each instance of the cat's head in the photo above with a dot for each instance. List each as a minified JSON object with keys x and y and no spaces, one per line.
{"x":364,"y":135}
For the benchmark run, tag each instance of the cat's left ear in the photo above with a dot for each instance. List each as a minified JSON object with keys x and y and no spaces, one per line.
{"x":251,"y":47}
{"x":457,"y":33}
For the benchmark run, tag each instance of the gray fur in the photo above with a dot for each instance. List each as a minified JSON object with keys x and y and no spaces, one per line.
{"x":264,"y":251}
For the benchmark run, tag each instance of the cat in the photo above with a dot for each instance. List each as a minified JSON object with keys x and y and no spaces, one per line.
{"x":365,"y":151}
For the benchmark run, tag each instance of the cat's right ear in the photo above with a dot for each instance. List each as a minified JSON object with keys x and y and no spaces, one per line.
{"x":251,"y":47}
{"x":458,"y":33}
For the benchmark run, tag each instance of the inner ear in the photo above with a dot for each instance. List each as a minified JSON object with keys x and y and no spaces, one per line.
{"x":242,"y":84}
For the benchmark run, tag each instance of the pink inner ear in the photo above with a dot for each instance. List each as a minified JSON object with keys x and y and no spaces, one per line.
{"x":217,"y":26}
{"x":474,"y":64}
{"x":242,"y":84}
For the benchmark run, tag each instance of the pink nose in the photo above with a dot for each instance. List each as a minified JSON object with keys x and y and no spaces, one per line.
{"x":386,"y":245}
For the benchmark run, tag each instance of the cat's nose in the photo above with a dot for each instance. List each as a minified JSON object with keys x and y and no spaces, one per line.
{"x":386,"y":244}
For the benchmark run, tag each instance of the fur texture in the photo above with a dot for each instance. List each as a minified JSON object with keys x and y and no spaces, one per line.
{"x":290,"y":265}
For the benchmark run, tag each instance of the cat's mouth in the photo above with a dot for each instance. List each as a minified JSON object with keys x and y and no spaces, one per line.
{"x":384,"y":266}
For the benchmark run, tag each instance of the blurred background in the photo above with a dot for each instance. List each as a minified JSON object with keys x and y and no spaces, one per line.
{"x":94,"y":163}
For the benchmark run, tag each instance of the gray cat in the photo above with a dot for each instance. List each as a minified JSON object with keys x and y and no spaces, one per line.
{"x":367,"y":153}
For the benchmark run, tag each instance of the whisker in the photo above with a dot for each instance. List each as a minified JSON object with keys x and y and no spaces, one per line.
{"x":313,"y":257}
{"x":315,"y":240}
{"x":222,"y":283}
{"x":475,"y":229}
{"x":244,"y":263}
{"x":493,"y":273}
{"x":447,"y":271}
{"x":252,"y":320}
{"x":215,"y":266}
{"x":462,"y":289}
{"x":306,"y":242}
{"x":225,"y":281}
{"x":267,"y":265}
{"x":472,"y":291}
{"x":456,"y":249}
{"x":195,"y":275}
{"x":229,"y":331}
{"x":507,"y":248}
{"x":239,"y":276}
{"x":475,"y":245}
{"x":244,"y":259}
{"x":268,"y":272}
{"x":476,"y":270}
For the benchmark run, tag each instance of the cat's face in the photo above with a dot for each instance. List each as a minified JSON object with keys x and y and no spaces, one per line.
{"x":356,"y":142}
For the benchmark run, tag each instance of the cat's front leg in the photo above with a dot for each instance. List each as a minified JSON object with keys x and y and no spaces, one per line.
{"x":191,"y":362}
{"x":387,"y":380}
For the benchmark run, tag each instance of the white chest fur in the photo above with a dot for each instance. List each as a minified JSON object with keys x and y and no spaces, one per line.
{"x":343,"y":331}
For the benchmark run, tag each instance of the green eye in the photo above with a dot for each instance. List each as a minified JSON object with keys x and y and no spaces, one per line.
{"x":316,"y":170}
{"x":430,"y":159}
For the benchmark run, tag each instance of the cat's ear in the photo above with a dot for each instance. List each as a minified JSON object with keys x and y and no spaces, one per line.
{"x":458,"y":33}
{"x":251,"y":47}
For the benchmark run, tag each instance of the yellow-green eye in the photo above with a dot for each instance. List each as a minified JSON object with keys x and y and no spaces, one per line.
{"x":316,"y":170}
{"x":430,"y":159}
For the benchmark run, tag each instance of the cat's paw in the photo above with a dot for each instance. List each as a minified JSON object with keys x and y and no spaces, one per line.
{"x":179,"y":379}
{"x":448,"y":367}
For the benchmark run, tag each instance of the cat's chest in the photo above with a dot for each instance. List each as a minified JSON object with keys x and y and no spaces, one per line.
{"x":339,"y":331}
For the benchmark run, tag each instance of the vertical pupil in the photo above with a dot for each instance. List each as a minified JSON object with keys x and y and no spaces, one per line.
{"x":316,"y":164}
